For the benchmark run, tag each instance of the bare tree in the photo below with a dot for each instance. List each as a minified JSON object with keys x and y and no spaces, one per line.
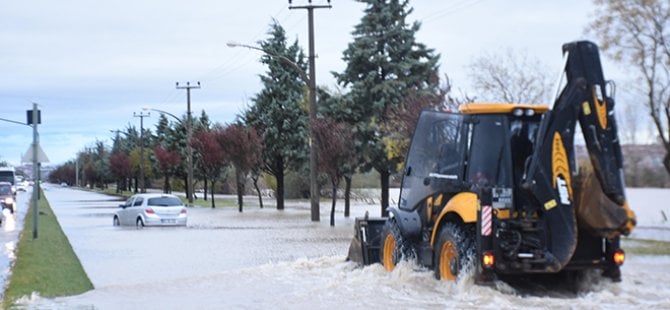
{"x":630,"y":122}
{"x":511,"y":76}
{"x":636,"y":33}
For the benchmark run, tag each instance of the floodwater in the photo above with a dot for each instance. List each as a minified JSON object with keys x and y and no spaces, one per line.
{"x":269,"y":259}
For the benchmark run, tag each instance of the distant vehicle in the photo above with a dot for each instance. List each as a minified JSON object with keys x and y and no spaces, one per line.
{"x":151,"y":210}
{"x":22,"y":186}
{"x":63,"y":184}
{"x":7,"y":197}
{"x":8,"y":174}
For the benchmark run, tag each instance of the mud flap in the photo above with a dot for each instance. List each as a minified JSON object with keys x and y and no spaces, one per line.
{"x":364,"y":248}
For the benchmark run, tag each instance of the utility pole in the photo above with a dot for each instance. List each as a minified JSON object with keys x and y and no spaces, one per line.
{"x":33,"y":121}
{"x":189,"y":134}
{"x":313,"y":159}
{"x":143,"y":188}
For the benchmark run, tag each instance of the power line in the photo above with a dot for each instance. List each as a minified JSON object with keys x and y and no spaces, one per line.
{"x":455,"y":7}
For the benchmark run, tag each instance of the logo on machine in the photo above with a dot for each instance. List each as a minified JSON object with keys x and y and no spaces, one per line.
{"x":560,"y":169}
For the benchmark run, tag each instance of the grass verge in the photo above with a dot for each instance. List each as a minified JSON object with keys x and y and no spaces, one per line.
{"x":646,"y":247}
{"x":48,"y":265}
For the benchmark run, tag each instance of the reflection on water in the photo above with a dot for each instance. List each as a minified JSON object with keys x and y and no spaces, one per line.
{"x":8,"y":221}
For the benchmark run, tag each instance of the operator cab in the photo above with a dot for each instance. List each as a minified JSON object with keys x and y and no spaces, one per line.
{"x":456,"y":152}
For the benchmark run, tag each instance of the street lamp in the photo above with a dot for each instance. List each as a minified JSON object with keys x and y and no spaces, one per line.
{"x":313,"y":160}
{"x":164,"y":112}
{"x":189,"y":149}
{"x":141,"y":115}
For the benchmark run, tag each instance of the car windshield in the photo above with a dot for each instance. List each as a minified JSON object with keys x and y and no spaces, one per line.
{"x":164,"y":202}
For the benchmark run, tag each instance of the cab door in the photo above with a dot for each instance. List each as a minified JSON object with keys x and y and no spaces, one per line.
{"x":435,"y":162}
{"x":489,"y":162}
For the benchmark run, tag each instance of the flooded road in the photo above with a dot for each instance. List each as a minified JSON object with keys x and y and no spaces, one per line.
{"x":263,"y":259}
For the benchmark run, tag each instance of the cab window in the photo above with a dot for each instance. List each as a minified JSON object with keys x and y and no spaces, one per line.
{"x":435,"y":157}
{"x":489,"y":155}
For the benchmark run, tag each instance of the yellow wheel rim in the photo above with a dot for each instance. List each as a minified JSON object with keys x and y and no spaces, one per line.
{"x":389,"y":248}
{"x":447,"y":255}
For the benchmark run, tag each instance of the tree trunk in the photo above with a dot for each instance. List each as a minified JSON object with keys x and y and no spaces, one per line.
{"x":212,"y":191}
{"x":385,"y":175}
{"x":258,"y":191}
{"x":280,"y":189}
{"x":166,"y":184}
{"x":666,"y":161}
{"x":186,"y":186}
{"x":136,"y":184}
{"x":347,"y":195}
{"x":207,"y":188}
{"x":240,"y":188}
{"x":332,"y":207}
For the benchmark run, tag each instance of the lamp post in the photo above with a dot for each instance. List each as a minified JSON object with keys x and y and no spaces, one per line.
{"x":313,"y":160}
{"x":141,"y":115}
{"x":189,"y":149}
{"x":189,"y":134}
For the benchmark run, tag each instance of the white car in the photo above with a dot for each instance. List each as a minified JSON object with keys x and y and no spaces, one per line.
{"x":151,"y":210}
{"x":22,"y":186}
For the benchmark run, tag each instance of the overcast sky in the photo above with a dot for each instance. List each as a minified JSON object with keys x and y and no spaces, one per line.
{"x":91,"y":64}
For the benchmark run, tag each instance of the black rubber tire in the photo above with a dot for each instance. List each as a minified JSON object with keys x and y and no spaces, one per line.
{"x":455,"y":243}
{"x":394,"y":247}
{"x":116,"y":221}
{"x":139,"y":223}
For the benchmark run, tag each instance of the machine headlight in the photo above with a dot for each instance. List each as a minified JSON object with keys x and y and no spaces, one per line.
{"x":9,"y":201}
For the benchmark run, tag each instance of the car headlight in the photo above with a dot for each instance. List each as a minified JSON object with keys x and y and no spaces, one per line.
{"x":9,"y":201}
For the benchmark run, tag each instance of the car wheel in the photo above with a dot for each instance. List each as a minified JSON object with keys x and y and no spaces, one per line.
{"x":452,"y":250}
{"x":139,"y":223}
{"x":116,"y":221}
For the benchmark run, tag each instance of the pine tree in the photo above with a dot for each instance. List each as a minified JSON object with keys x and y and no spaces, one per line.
{"x":384,"y":65}
{"x":276,"y":114}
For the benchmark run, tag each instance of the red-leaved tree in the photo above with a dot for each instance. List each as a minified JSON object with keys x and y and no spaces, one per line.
{"x":243,"y":148}
{"x":335,"y":146}
{"x":119,"y":166}
{"x":168,"y":161}
{"x":212,"y":157}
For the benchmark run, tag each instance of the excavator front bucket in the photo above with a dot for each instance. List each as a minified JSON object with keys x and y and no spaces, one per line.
{"x":364,"y":248}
